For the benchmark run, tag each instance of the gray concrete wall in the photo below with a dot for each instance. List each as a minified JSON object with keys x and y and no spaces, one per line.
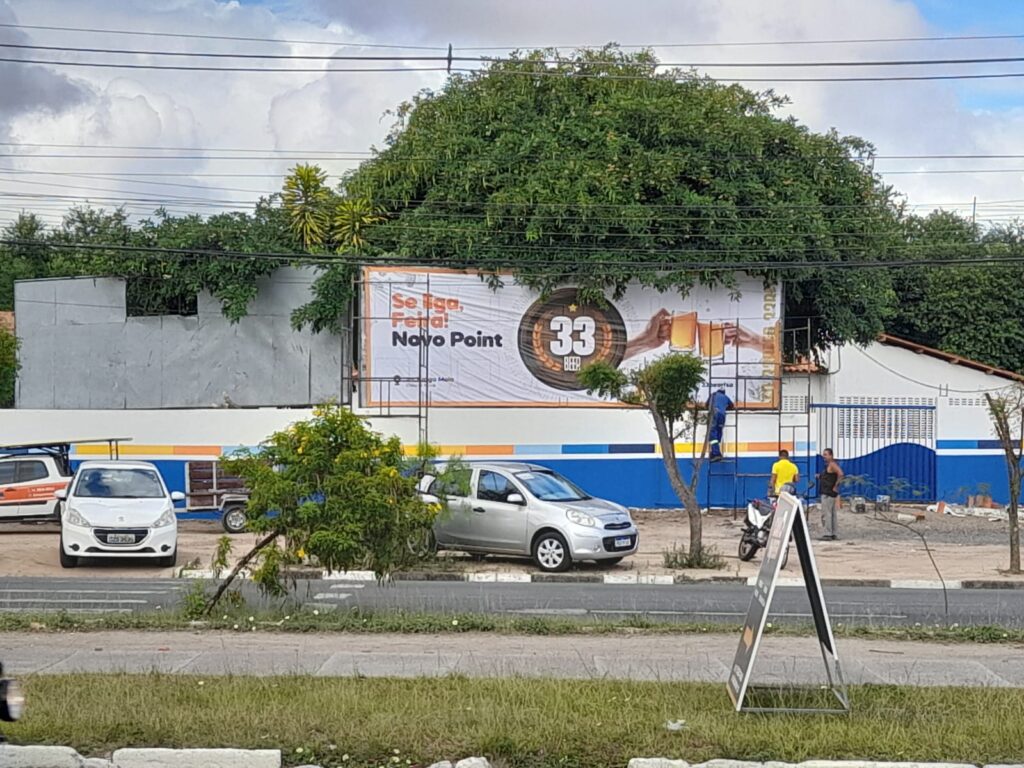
{"x":80,"y":350}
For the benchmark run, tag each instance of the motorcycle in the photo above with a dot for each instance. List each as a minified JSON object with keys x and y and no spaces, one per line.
{"x":758,"y":525}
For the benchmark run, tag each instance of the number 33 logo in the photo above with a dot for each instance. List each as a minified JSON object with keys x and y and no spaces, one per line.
{"x":573,"y":336}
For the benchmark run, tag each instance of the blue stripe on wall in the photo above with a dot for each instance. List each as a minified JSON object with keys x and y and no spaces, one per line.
{"x":958,"y":445}
{"x":631,"y":448}
{"x":584,"y":448}
{"x":968,"y":445}
{"x":642,"y":482}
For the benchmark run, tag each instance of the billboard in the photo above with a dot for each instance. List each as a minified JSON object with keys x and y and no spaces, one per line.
{"x":476,"y":345}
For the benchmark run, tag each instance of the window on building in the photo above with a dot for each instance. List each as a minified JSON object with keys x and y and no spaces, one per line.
{"x":152,"y":296}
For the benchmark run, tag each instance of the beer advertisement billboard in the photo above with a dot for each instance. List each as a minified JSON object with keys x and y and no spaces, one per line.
{"x":478,"y":345}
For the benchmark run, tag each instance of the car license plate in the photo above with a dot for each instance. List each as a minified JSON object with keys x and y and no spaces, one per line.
{"x":623,"y":541}
{"x":121,"y":538}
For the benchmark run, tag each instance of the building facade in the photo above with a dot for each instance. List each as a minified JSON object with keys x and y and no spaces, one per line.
{"x":908,"y":422}
{"x":903,"y":420}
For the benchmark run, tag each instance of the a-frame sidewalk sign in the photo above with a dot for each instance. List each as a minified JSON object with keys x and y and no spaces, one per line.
{"x":789,"y":523}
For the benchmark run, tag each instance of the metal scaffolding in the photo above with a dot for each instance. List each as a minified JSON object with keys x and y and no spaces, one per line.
{"x":381,"y":391}
{"x":790,"y":405}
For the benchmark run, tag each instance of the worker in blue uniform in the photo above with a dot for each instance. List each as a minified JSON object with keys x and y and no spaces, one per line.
{"x":718,"y":404}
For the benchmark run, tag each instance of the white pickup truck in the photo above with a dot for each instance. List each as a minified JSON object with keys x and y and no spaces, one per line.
{"x":30,"y":476}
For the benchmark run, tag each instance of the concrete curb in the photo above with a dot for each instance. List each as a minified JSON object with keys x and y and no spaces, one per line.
{"x":65,"y":757}
{"x":629,"y":579}
{"x":661,"y":762}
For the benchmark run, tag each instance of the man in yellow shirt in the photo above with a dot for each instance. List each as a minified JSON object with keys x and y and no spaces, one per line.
{"x":784,"y":472}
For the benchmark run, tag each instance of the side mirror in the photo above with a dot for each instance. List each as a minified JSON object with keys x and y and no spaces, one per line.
{"x":516,"y":498}
{"x":61,"y":494}
{"x":429,"y":498}
{"x":177,"y":496}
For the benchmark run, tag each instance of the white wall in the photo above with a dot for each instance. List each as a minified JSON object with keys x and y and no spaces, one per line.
{"x":877,"y":373}
{"x":884,"y":371}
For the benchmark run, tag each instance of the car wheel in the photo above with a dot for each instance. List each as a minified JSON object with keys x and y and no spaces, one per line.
{"x":747,"y":549}
{"x":170,"y":561}
{"x":66,"y":560}
{"x":422,"y":545}
{"x":234,"y":519}
{"x":551,"y":553}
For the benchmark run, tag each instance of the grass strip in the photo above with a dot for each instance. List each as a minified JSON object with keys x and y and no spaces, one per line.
{"x":404,"y":622}
{"x":520,"y":723}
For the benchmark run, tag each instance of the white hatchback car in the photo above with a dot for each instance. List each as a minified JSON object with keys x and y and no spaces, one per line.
{"x":118,"y":509}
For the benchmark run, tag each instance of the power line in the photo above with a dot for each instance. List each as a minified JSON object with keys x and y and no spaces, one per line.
{"x":396,"y":46}
{"x":250,"y":158}
{"x":189,"y":149}
{"x":756,"y":43}
{"x":237,"y":38}
{"x":231,"y":55}
{"x":405,"y":58}
{"x":371,"y":153}
{"x":716,"y":207}
{"x":189,"y":68}
{"x":505,"y":72}
{"x":106,"y":177}
{"x":469,"y":264}
{"x":863,"y":79}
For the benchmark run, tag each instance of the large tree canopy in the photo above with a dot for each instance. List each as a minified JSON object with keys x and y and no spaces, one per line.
{"x":600,"y":169}
{"x":157,"y":282}
{"x":971,"y":310}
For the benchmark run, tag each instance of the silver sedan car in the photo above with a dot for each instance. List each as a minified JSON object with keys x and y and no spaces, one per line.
{"x":531,"y":511}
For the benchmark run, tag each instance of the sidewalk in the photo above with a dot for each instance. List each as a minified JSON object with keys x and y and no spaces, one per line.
{"x":663,"y":658}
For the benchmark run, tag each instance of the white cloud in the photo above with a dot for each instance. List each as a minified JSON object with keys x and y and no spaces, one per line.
{"x":343,"y":111}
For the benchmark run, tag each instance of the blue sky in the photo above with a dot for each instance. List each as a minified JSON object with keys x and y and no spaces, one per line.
{"x":966,"y":16}
{"x":992,"y":17}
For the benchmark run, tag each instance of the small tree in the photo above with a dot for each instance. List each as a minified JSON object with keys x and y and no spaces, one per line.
{"x":667,"y":388}
{"x":8,"y":367}
{"x":1007,"y":413}
{"x":332,"y":489}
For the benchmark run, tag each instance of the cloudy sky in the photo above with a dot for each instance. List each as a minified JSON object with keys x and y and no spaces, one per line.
{"x":103,"y":116}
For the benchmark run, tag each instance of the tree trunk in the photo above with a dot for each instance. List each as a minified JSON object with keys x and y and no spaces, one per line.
{"x":999,"y":411}
{"x":1014,"y":512}
{"x":686,"y":492}
{"x":1013,"y":465}
{"x":270,"y":537}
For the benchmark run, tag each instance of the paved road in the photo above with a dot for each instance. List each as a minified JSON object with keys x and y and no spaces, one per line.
{"x":691,"y":657}
{"x":711,"y":603}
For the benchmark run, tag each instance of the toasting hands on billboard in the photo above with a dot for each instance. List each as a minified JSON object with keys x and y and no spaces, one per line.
{"x":683,"y":331}
{"x":737,"y":335}
{"x":655,"y":335}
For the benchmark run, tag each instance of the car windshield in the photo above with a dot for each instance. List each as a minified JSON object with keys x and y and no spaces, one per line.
{"x":110,"y":483}
{"x":548,"y":486}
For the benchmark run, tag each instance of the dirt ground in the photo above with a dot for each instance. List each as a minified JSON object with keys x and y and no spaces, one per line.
{"x":31,"y":550}
{"x":869,"y":548}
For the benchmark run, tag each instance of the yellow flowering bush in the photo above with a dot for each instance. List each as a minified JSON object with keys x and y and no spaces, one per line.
{"x":332,"y":490}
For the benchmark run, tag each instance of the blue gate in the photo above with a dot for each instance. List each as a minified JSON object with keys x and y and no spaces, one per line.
{"x":883,"y":449}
